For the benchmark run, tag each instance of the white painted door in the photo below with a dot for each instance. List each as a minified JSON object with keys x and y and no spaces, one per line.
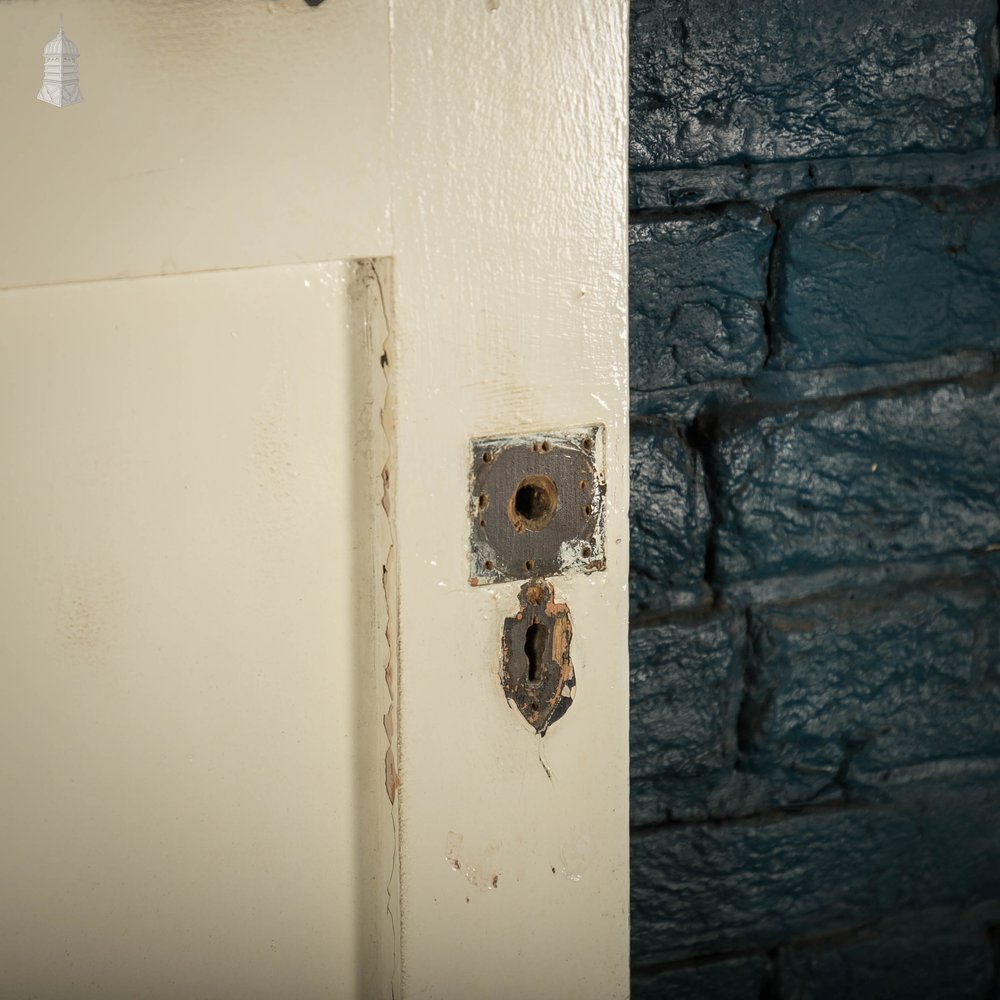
{"x":182,"y":636}
{"x":253,"y":740}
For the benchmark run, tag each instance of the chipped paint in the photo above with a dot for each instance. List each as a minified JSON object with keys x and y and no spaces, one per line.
{"x":536,"y":671}
{"x":576,"y":856}
{"x":373,"y":281}
{"x":370,"y":274}
{"x":391,"y":777}
{"x":389,"y":590}
{"x":482,"y":871}
{"x":453,"y":847}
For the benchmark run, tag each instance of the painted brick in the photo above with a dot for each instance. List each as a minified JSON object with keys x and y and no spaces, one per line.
{"x":738,"y":978}
{"x":669,"y":517}
{"x":713,"y":888}
{"x":714,"y":81}
{"x":867,"y":482}
{"x":863,"y":752}
{"x":993,"y":959}
{"x":849,"y":690}
{"x":887,"y":276}
{"x":936,"y":955}
{"x":713,"y":795}
{"x":687,"y":682}
{"x":766,"y":184}
{"x":697,"y":288}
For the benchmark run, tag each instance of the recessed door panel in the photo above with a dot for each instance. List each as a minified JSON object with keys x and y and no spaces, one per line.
{"x":186,"y":621}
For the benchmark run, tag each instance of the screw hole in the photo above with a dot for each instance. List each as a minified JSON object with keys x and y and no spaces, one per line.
{"x":587,"y":444}
{"x":587,"y":551}
{"x":583,"y":484}
{"x":588,"y":510}
{"x":488,"y":564}
{"x":529,"y":565}
{"x":482,"y":524}
{"x":545,"y":446}
{"x":483,"y":499}
{"x":487,"y":456}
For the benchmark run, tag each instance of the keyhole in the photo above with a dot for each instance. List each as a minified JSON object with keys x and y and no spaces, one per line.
{"x":534,"y":649}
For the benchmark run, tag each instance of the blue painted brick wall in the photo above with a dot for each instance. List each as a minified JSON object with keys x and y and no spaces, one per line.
{"x":815,"y":645}
{"x":921,"y":269}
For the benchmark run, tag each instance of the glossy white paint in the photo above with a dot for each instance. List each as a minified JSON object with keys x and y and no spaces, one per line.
{"x":509,"y":211}
{"x":184,"y":731}
{"x":212,"y":134}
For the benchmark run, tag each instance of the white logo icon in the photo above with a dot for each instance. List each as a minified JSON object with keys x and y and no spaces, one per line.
{"x":60,"y":85}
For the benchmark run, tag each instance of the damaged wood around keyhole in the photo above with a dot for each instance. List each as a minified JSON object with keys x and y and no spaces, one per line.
{"x":536,"y":670}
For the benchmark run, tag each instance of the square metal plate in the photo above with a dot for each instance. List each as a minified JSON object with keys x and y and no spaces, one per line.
{"x":536,"y":505}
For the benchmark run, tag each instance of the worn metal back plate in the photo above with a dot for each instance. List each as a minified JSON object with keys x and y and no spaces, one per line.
{"x":536,"y":505}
